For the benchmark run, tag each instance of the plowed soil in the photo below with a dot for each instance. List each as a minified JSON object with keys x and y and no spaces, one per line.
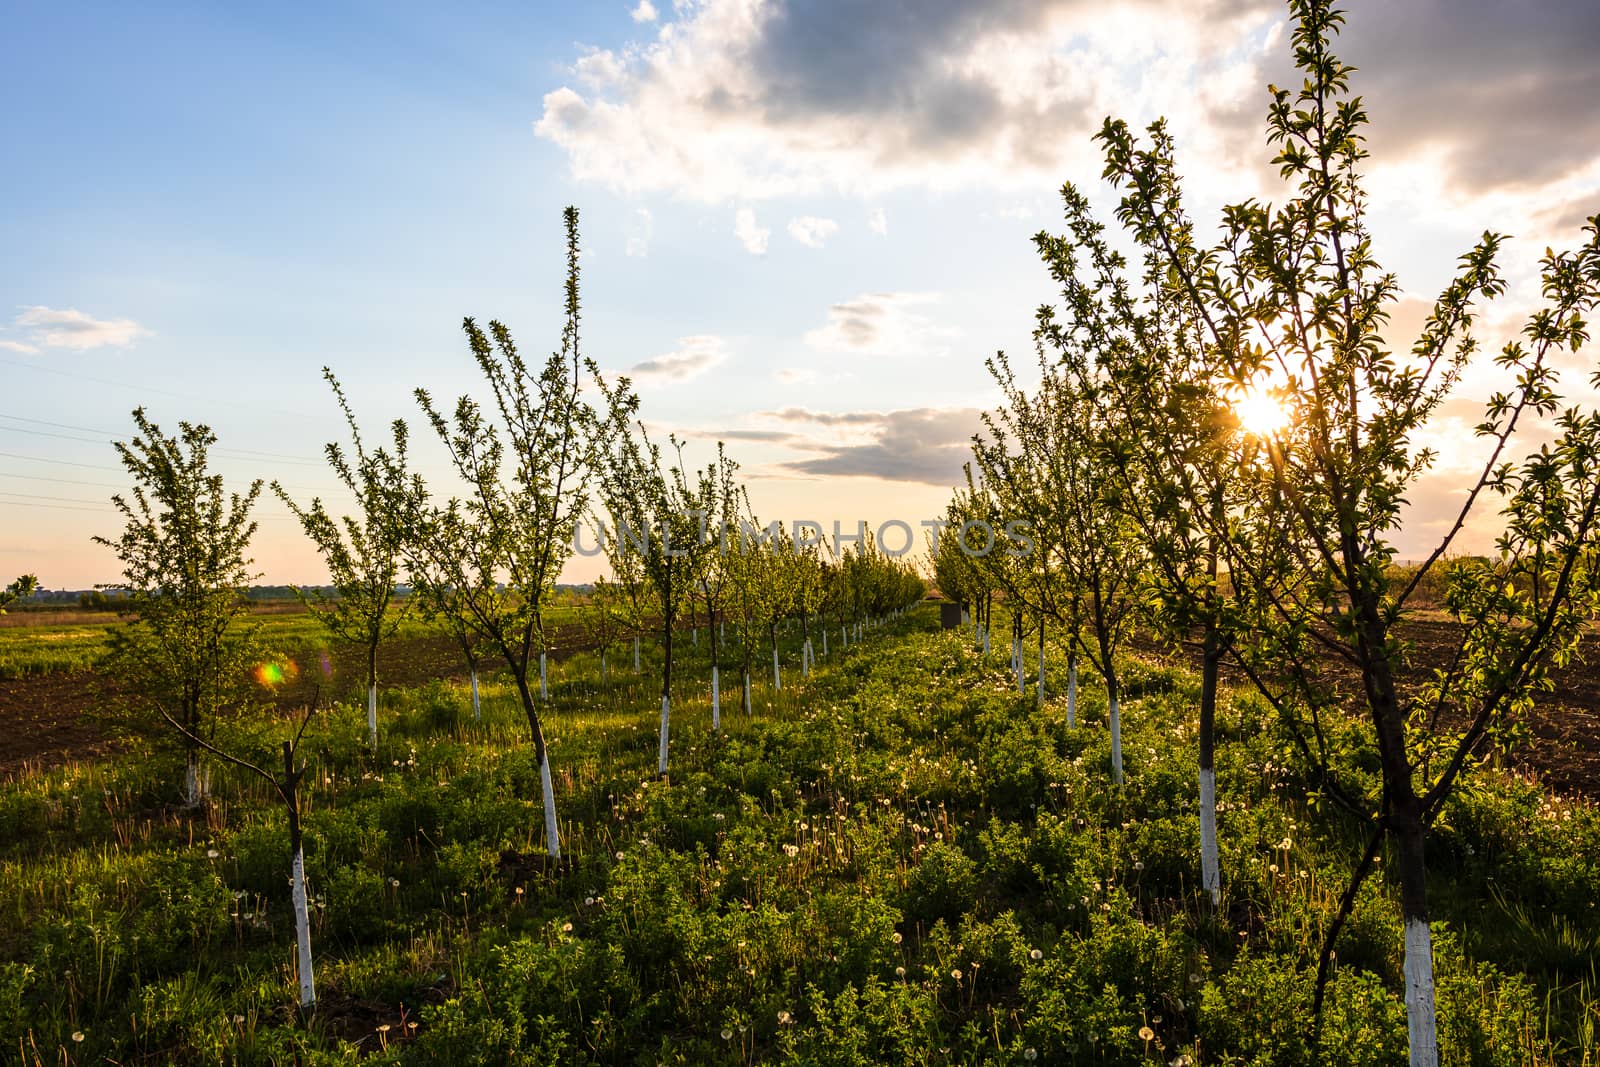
{"x":49,"y":719}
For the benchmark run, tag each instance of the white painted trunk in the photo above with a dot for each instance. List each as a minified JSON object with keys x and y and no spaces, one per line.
{"x":1041,"y":676}
{"x":552,"y":833}
{"x":1419,"y":994}
{"x":1210,"y":873}
{"x":824,"y":642}
{"x":985,"y":642}
{"x":666,"y":711}
{"x":777,"y":679}
{"x":747,"y":694}
{"x":372,"y":715}
{"x":635,"y":655}
{"x":722,"y":631}
{"x":716,"y":699}
{"x":477,"y":709}
{"x":1072,"y":694}
{"x":1016,"y":665}
{"x":805,"y":659}
{"x":697,"y":637}
{"x":602,"y":666}
{"x":194,"y":781}
{"x":1116,"y":743}
{"x":544,"y":687}
{"x":302,"y":931}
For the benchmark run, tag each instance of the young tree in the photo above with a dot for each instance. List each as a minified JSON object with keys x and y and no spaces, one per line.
{"x":523,"y":458}
{"x":650,"y":499}
{"x":1292,"y":300}
{"x":287,"y":788}
{"x":1045,"y":461}
{"x":185,"y":656}
{"x":714,"y":573}
{"x":21,"y":589}
{"x":362,"y":553}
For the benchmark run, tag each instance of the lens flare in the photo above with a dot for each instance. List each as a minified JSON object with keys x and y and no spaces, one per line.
{"x":274,"y":673}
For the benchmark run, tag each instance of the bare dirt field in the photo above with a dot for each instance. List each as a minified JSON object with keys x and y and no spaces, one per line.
{"x":47,"y":720}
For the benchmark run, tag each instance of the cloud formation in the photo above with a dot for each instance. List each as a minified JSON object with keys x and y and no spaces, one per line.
{"x":753,"y":237}
{"x":742,"y":100}
{"x":811,"y":231}
{"x":693,"y":357}
{"x":880,"y":324}
{"x":71,"y":328}
{"x":924,"y":445}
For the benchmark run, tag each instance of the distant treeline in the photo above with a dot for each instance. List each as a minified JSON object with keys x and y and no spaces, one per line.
{"x":99,"y":600}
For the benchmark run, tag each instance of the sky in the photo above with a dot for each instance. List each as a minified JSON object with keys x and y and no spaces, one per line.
{"x":805,"y":225}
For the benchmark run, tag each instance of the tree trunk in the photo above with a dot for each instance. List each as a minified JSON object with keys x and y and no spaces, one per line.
{"x":636,"y":655}
{"x":372,"y":693}
{"x":1116,"y":724}
{"x":716,"y":699}
{"x":194,"y":779}
{"x":297,"y":883}
{"x":1041,"y":663}
{"x":477,"y":710}
{"x":1409,"y":835}
{"x":1210,"y":867}
{"x":666,"y":693}
{"x":544,"y":687}
{"x":747,"y":692}
{"x":542,"y":752}
{"x":777,"y":679}
{"x":1072,"y":688}
{"x":824,"y":638}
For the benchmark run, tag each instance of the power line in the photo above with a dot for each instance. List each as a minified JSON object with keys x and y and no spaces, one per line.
{"x":249,"y":453}
{"x":146,"y":388}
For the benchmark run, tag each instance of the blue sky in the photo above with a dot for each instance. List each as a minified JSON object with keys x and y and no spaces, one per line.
{"x":804,"y":224}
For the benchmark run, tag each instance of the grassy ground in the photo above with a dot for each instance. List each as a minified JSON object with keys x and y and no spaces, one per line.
{"x":901,"y":861}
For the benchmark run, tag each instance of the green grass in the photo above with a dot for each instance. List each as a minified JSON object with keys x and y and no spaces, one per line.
{"x":900,"y":862}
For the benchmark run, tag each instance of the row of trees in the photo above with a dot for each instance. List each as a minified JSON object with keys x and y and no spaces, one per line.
{"x":1158,"y":494}
{"x":481,"y":556}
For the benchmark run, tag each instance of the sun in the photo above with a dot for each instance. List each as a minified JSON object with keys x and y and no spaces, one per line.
{"x":1260,"y":413}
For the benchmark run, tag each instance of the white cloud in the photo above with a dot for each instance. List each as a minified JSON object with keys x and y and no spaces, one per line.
{"x":741,"y":100}
{"x":753,"y":237}
{"x":18,"y":346}
{"x":71,"y":328}
{"x":879,"y":223}
{"x":925,"y":445}
{"x":794,"y":375}
{"x":639,"y":239}
{"x":645,"y":12}
{"x":811,"y":231}
{"x":693,"y":357}
{"x":880,"y":324}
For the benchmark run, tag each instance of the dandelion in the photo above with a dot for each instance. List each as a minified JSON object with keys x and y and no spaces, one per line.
{"x":588,"y":902}
{"x":897,"y":937}
{"x":1286,"y":844}
{"x":784,"y":1018}
{"x":1146,"y":1034}
{"x":1138,"y":865}
{"x":520,"y":890}
{"x":566,"y":928}
{"x":1030,"y":1053}
{"x":383,"y":1028}
{"x":899,"y":972}
{"x":1273,"y":867}
{"x":238,"y":1020}
{"x":1036,"y":955}
{"x":77,"y":1035}
{"x":212,"y":853}
{"x":956,"y":974}
{"x":727,"y":1034}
